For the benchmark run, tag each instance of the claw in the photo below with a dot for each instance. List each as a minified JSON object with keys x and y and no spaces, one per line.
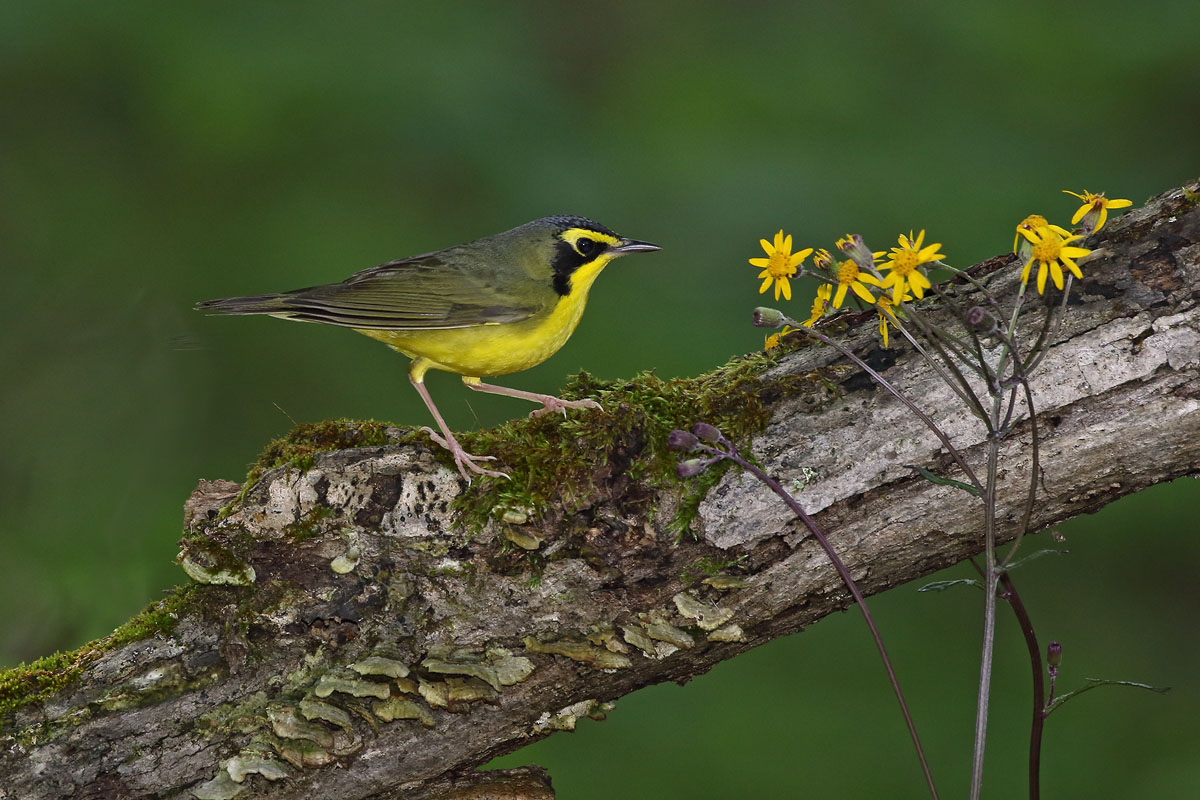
{"x":550,"y":403}
{"x":462,"y":457}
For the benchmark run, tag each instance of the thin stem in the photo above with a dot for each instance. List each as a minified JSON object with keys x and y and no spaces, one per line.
{"x":1037,"y":352}
{"x":971,"y":398}
{"x":820,"y":536}
{"x":879,"y":379}
{"x":990,"y":581}
{"x":1039,"y":686}
{"x":1034,"y":468}
{"x":963,"y":391}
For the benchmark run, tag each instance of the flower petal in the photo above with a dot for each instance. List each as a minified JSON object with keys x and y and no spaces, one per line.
{"x":1056,"y":274}
{"x":862,"y":292}
{"x":800,"y":256}
{"x":840,"y":296}
{"x":765,"y":285}
{"x":759,"y":262}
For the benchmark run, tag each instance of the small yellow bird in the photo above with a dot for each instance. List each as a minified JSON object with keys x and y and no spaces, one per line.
{"x":497,"y":305}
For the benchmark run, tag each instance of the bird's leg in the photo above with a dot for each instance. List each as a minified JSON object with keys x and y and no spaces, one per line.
{"x":549,"y":402}
{"x":446,"y":439}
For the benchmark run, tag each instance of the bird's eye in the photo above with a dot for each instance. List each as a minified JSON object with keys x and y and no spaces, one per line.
{"x":587,"y":247}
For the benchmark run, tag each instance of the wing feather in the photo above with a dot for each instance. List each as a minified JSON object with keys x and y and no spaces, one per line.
{"x":424,"y":292}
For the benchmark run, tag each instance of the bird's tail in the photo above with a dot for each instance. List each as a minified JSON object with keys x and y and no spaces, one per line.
{"x":254,"y":304}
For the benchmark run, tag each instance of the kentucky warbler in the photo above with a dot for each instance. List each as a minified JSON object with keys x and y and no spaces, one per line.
{"x":490,"y":307}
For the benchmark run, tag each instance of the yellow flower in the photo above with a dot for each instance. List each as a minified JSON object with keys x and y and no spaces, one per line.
{"x":772,"y":341}
{"x":1095,"y":207}
{"x":885,"y":307}
{"x":820,"y":306}
{"x":904,"y":263}
{"x":1052,"y":252}
{"x":849,"y":276}
{"x":1032,"y":222}
{"x":779,"y":265}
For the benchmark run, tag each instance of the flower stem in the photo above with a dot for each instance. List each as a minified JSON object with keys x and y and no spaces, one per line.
{"x":820,"y":536}
{"x":990,"y":581}
{"x":903,"y":398}
{"x":1039,"y":689}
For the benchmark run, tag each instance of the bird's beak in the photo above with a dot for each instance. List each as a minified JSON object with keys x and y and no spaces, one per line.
{"x":634,"y":246}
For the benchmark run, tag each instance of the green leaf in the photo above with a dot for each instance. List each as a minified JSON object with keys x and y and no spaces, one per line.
{"x":940,"y":481}
{"x":941,"y":586}
{"x":1035,"y":554}
{"x":1093,"y":683}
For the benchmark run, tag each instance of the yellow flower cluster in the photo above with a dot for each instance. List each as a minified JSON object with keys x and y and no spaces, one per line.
{"x":1051,"y":246}
{"x":902,"y":273}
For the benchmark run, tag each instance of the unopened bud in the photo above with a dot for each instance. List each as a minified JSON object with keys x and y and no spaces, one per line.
{"x":852,"y":244}
{"x":767,"y":317}
{"x":682,"y":440}
{"x":707,"y":432}
{"x":1054,"y":654}
{"x":979,"y":318}
{"x":691,"y":468}
{"x":823,"y":260}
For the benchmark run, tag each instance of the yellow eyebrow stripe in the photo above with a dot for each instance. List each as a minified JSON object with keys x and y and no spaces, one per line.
{"x":573,"y":235}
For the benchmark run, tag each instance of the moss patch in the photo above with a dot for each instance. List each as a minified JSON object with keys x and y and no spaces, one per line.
{"x":33,"y":682}
{"x":570,"y":460}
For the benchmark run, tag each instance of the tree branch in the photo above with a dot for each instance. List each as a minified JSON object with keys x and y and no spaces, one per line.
{"x":352,"y":635}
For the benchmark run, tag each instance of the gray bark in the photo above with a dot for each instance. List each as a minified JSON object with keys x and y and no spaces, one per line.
{"x":349,"y":641}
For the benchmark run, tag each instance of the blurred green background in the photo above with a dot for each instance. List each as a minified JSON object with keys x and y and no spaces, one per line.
{"x":154,"y":154}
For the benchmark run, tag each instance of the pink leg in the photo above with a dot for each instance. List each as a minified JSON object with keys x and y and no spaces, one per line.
{"x":447,"y":440}
{"x":549,"y":402}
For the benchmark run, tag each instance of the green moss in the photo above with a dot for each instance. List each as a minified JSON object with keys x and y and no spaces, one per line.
{"x":569,"y":460}
{"x":33,"y":682}
{"x":708,"y":567}
{"x":1190,"y":199}
{"x":308,"y":526}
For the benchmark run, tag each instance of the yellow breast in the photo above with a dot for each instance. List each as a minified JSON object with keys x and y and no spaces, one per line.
{"x":498,"y":349}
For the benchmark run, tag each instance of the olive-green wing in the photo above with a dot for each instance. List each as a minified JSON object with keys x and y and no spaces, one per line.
{"x":422,"y":292}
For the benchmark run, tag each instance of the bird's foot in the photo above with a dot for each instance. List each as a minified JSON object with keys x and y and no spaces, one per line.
{"x":462,"y":457}
{"x":551,"y":403}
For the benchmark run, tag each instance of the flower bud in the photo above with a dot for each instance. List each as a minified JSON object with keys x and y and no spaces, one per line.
{"x":682,"y":440}
{"x":691,"y":468}
{"x":852,"y":244}
{"x":824,"y":261}
{"x":767,"y":317}
{"x":707,"y":432}
{"x":1054,"y":654}
{"x":979,"y":318}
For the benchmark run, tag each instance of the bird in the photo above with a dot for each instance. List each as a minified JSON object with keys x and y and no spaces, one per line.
{"x":493,"y":306}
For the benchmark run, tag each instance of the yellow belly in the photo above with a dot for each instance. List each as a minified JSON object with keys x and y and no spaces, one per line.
{"x":493,"y":349}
